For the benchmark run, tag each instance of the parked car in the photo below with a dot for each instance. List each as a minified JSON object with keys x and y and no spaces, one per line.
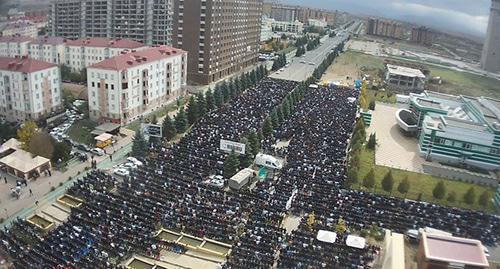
{"x":97,"y":151}
{"x":134,"y":161}
{"x":83,"y":147}
{"x":121,"y":172}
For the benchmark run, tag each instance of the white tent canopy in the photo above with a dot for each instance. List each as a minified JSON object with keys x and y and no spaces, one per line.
{"x":355,"y":241}
{"x":326,"y":236}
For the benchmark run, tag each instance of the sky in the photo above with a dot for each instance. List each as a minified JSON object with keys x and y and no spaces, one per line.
{"x":460,"y":16}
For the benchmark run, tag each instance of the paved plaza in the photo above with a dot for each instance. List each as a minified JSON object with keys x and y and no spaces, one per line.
{"x":393,"y":148}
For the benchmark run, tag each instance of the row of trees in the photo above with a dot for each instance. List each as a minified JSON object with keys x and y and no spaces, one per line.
{"x":197,"y":106}
{"x":42,"y":144}
{"x":300,"y":51}
{"x":312,"y":44}
{"x":280,"y":62}
{"x":67,"y":74}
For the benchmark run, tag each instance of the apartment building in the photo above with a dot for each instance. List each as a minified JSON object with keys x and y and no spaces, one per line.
{"x":19,"y":28}
{"x":293,"y":27}
{"x":11,"y":46}
{"x":29,"y":89}
{"x":147,"y":21}
{"x":421,"y":35}
{"x":48,"y":49}
{"x":84,"y":52}
{"x":385,"y":28}
{"x":124,"y":87}
{"x":222,"y":37}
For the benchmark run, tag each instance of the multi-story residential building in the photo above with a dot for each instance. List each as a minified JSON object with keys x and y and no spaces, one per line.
{"x":124,"y":87}
{"x":421,"y":35}
{"x":385,"y":28}
{"x":306,"y":14}
{"x":458,"y":130}
{"x":294,"y":27}
{"x":29,"y":89}
{"x":20,"y":28}
{"x":84,"y":52}
{"x":48,"y":49}
{"x":148,"y":21}
{"x":285,"y":13}
{"x":317,"y":23}
{"x":221,"y":36}
{"x":12,"y":46}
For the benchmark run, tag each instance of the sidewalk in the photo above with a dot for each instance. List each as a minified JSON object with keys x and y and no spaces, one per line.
{"x":10,"y":207}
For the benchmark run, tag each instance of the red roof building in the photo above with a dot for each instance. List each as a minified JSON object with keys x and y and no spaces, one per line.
{"x":105,"y":42}
{"x":23,"y":64}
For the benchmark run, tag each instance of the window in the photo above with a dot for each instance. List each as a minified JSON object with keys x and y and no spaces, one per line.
{"x":438,"y":140}
{"x":112,"y":86}
{"x":93,"y":84}
{"x":495,"y":151}
{"x":98,"y":85}
{"x":467,"y":146}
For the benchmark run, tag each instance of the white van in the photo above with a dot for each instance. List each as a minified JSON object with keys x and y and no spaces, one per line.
{"x":268,"y":161}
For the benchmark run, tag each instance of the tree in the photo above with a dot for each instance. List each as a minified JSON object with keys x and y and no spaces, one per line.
{"x":153,"y":139}
{"x":24,"y":134}
{"x":369,"y":179}
{"x":209,"y":98}
{"x":341,"y":226}
{"x":231,"y":165}
{"x":218,"y":98}
{"x":169,"y":130}
{"x":439,"y":191}
{"x":267,"y":128}
{"x":248,"y":157}
{"x":470,"y":196}
{"x":452,"y":197}
{"x":388,"y":182}
{"x":202,"y":105}
{"x":41,"y":145}
{"x":7,"y":131}
{"x":139,"y":144}
{"x":225,"y":91}
{"x":181,"y":121}
{"x":352,"y":176}
{"x":61,"y":152}
{"x":192,"y":110}
{"x":484,"y":199}
{"x":404,"y":186}
{"x":65,"y":72}
{"x":253,"y":143}
{"x":372,"y":142}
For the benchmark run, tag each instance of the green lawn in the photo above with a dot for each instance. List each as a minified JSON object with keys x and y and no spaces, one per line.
{"x":419,"y":183}
{"x":80,"y":132}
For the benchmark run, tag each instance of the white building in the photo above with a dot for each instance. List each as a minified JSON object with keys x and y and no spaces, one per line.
{"x":85,"y":52}
{"x":266,"y":30}
{"x":317,"y":23}
{"x":49,"y":49}
{"x":404,"y":78}
{"x":29,"y":89}
{"x":21,"y":28}
{"x":295,"y":27}
{"x":12,"y":46}
{"x":124,"y":87}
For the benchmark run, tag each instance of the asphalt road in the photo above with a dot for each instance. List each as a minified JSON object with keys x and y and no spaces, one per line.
{"x":298,"y":71}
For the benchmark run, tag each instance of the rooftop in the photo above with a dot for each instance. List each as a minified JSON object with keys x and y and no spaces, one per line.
{"x":131,"y":59}
{"x":20,"y":160}
{"x":23,"y":64}
{"x":15,"y":38}
{"x":454,"y":250}
{"x":105,"y":42}
{"x":49,"y":40}
{"x":405,"y":71}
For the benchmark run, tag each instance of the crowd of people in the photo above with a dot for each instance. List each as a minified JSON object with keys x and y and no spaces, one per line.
{"x":120,"y":217}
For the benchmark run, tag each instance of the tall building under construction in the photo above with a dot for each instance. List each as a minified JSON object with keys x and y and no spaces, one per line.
{"x":490,"y":60}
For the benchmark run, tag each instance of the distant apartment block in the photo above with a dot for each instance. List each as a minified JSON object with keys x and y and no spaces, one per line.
{"x":302,"y":14}
{"x":317,"y":23}
{"x":385,"y":28}
{"x":221,"y":36}
{"x":19,"y":28}
{"x":281,"y":12}
{"x":147,"y":21}
{"x":124,"y":87}
{"x":76,"y":54}
{"x":294,"y":27}
{"x":422,"y":35}
{"x":29,"y":89}
{"x":490,"y":59}
{"x":84,"y":52}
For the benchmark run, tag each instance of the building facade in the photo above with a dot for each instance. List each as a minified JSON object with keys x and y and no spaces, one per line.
{"x":266,"y":30}
{"x":294,"y":27}
{"x":48,"y":49}
{"x":124,"y":87}
{"x":147,"y":21}
{"x":460,"y":131}
{"x":221,"y":37}
{"x":401,"y":78}
{"x":385,"y":28}
{"x":29,"y":89}
{"x":422,"y":35}
{"x":317,"y":22}
{"x":490,"y":59}
{"x":282,"y":12}
{"x":20,"y":28}
{"x":84,"y":52}
{"x":12,"y":46}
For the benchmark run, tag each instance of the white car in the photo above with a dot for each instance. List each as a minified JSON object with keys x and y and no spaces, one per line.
{"x":121,"y":172}
{"x":282,"y":69}
{"x":97,"y":151}
{"x":130,"y":165}
{"x":134,"y":161}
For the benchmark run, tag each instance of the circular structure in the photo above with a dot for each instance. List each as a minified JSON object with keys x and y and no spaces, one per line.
{"x":407,"y":120}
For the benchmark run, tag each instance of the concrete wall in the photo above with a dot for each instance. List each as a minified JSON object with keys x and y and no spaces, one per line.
{"x":460,"y":174}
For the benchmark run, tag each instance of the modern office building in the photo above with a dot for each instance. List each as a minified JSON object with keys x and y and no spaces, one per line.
{"x":385,"y":28}
{"x":147,"y":21}
{"x":462,"y":131}
{"x":124,"y":87}
{"x":29,"y":89}
{"x":422,"y":35}
{"x":490,"y":60}
{"x":84,"y":52}
{"x":221,"y":36}
{"x":404,"y":79}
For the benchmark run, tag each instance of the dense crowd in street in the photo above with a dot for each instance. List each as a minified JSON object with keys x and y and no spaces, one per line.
{"x":120,"y":218}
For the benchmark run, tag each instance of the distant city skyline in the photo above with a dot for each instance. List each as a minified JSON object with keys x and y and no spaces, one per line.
{"x":461,"y":16}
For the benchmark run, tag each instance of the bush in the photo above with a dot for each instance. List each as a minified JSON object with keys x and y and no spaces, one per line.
{"x":371,"y":105}
{"x":2,"y":220}
{"x":52,"y":188}
{"x":60,"y":184}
